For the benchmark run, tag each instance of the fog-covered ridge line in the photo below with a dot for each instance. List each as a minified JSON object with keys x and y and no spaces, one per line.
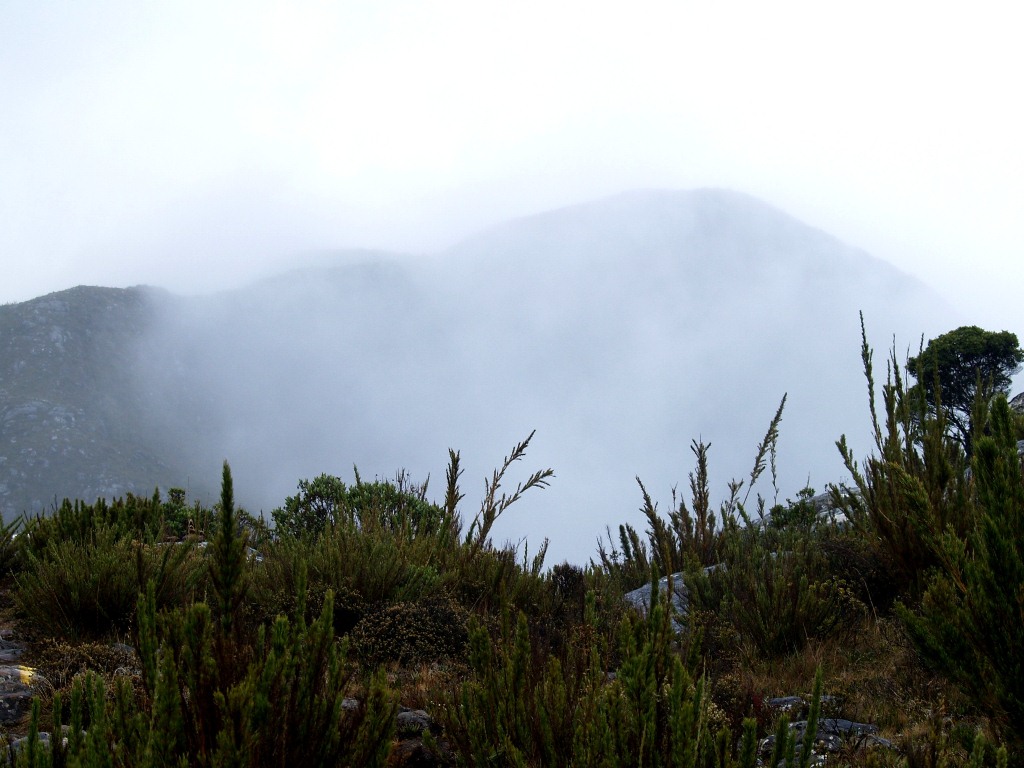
{"x":619,"y":330}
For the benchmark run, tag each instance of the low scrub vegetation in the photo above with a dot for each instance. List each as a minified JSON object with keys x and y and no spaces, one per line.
{"x":178,"y":635}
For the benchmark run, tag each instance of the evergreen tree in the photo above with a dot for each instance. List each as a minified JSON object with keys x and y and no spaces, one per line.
{"x":228,"y":566}
{"x":962,"y":368}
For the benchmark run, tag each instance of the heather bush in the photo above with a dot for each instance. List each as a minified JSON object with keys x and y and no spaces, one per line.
{"x":60,"y":661}
{"x":365,"y":569}
{"x":326,"y":501}
{"x":776,"y":590}
{"x":865,"y":568}
{"x":954,"y":532}
{"x":133,"y":517}
{"x":408,"y":633}
{"x":375,"y":545}
{"x":87,"y":587}
{"x":970,"y":624}
{"x":214,"y":697}
{"x":519,"y":708}
{"x":180,"y":519}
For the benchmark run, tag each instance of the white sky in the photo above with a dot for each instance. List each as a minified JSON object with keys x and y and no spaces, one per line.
{"x":197,"y":144}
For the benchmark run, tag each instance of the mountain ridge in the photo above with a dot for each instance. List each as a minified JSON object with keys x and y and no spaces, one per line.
{"x":618,"y":330}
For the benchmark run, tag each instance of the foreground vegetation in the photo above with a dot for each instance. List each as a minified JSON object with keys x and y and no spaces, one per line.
{"x":294,"y":645}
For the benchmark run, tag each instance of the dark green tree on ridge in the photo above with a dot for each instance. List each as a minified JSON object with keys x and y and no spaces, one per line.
{"x":962,"y":370}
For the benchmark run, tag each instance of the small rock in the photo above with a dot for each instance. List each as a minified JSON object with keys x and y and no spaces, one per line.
{"x":787,"y":703}
{"x":833,"y":734}
{"x":10,"y":650}
{"x":413,"y":722}
{"x":18,"y":684}
{"x":640,"y":598}
{"x":18,"y":745}
{"x":841,"y":727}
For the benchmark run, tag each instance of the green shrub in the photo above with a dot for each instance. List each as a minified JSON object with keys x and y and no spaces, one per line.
{"x":971,"y":621}
{"x":79,"y":589}
{"x":275,"y":583}
{"x":213,"y":697}
{"x":284,"y":708}
{"x":775,"y":588}
{"x":865,"y":568}
{"x":956,"y":534}
{"x":518,"y":709}
{"x":916,"y":486}
{"x":370,"y":568}
{"x":411,"y":633}
{"x":179,"y":519}
{"x":326,"y":501}
{"x":134,"y":517}
{"x":378,"y":544}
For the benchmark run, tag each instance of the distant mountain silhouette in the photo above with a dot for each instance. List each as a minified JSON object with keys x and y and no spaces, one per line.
{"x":619,"y":329}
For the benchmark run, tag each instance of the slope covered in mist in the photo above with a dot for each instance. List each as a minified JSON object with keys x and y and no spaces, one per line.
{"x":70,"y":404}
{"x":619,"y":330}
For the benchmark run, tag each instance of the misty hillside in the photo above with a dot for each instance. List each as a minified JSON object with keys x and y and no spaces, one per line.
{"x":619,"y":330}
{"x":70,"y":407}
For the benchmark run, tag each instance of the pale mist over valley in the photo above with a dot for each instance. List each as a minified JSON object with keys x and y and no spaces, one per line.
{"x":620,"y":330}
{"x":321,"y":237}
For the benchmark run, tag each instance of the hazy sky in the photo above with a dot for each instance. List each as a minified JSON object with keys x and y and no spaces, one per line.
{"x":196,"y":144}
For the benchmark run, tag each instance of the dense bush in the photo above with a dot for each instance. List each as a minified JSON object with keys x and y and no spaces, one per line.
{"x":87,"y":586}
{"x":432,"y":630}
{"x":775,"y":589}
{"x":955,"y":532}
{"x":366,"y":568}
{"x":971,"y":621}
{"x":518,"y":709}
{"x":326,"y":501}
{"x":132,"y":517}
{"x":914,"y":488}
{"x":213,"y":698}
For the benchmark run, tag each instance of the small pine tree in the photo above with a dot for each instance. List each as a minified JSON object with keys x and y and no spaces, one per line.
{"x":228,"y":565}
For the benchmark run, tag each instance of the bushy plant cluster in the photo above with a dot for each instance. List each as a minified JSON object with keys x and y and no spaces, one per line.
{"x":280,"y":646}
{"x":243,"y":658}
{"x":952,"y":525}
{"x":766,"y":573}
{"x":517,"y":709}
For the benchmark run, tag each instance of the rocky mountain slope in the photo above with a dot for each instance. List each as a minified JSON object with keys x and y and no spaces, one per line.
{"x":71,"y":409}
